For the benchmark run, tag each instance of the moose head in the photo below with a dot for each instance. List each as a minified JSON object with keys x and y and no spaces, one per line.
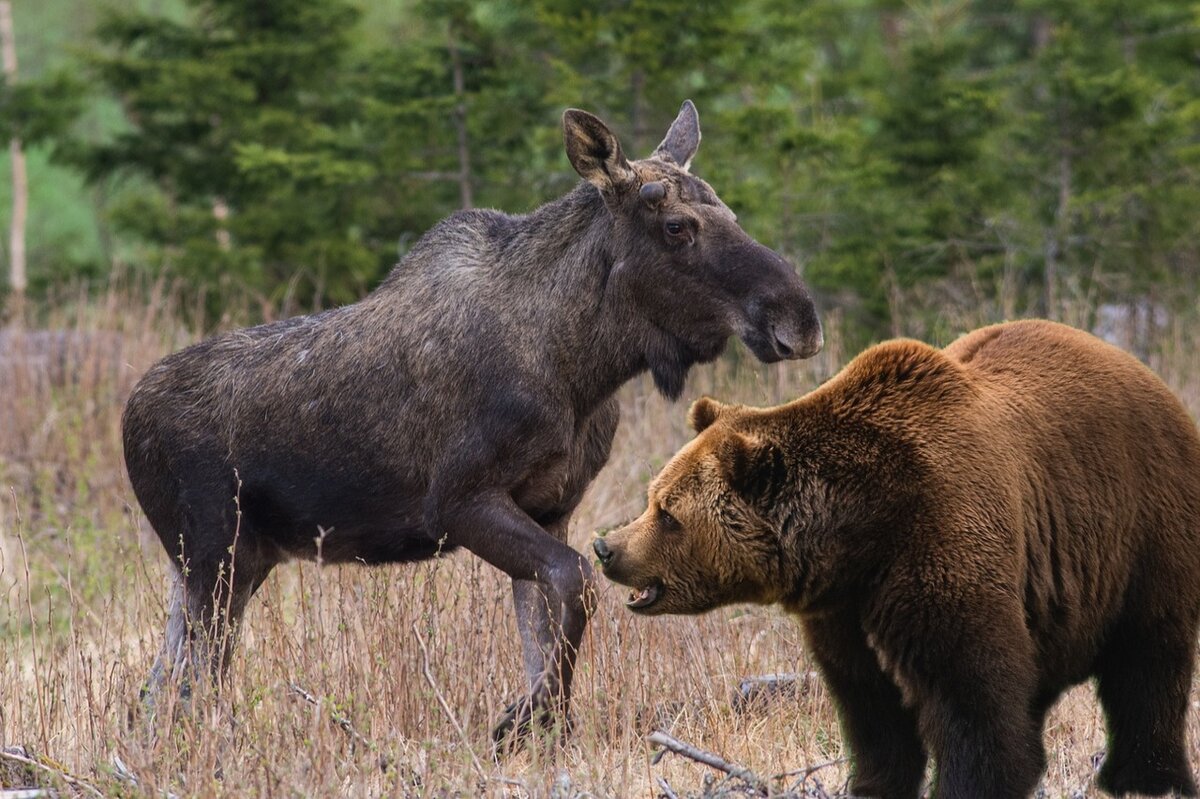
{"x":685,"y":265}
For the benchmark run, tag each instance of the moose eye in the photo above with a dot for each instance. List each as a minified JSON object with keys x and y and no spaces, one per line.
{"x":667,"y":521}
{"x":674,"y":228}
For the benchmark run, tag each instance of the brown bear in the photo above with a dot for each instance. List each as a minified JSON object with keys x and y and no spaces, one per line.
{"x":964,"y":534}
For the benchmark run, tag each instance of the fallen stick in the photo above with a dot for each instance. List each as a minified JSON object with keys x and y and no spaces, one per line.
{"x":8,"y":754}
{"x":125,"y":774}
{"x":821,"y":793}
{"x":808,"y":771}
{"x":709,"y":759}
{"x":336,"y":718}
{"x":356,"y":737}
{"x":662,"y":783}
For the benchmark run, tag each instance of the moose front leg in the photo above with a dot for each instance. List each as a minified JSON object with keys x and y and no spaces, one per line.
{"x":553,"y":590}
{"x":549,"y":656}
{"x":550,"y":645}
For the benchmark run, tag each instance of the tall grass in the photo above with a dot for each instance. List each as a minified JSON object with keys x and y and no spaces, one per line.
{"x":352,"y":681}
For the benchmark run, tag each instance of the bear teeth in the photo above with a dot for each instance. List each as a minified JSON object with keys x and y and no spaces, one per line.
{"x":644,"y":597}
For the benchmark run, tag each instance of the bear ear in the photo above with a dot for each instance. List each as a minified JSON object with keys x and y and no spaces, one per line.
{"x":704,"y":412}
{"x":750,"y":467}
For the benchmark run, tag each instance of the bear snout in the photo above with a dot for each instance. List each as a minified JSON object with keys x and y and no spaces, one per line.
{"x":603,"y":553}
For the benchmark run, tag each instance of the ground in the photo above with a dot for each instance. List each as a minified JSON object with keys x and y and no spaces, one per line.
{"x":83,"y":582}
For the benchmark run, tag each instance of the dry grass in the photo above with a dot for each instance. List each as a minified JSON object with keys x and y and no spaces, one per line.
{"x":82,"y":587}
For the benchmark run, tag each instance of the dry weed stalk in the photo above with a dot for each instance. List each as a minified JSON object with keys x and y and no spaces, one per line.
{"x":79,"y":627}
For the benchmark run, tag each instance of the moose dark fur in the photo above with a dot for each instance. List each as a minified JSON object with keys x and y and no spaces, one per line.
{"x":467,"y":402}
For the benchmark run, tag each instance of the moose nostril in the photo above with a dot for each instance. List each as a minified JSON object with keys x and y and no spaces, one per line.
{"x":783,"y":348}
{"x":817,"y":342}
{"x":602,"y":551}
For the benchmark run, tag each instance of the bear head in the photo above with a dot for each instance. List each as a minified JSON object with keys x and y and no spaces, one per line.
{"x":705,"y":539}
{"x":795,"y":504}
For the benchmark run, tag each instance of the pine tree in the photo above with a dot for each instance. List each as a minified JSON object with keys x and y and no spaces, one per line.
{"x":240,"y":120}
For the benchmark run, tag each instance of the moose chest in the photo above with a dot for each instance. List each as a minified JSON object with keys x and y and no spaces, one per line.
{"x":554,"y":484}
{"x":544,"y":491}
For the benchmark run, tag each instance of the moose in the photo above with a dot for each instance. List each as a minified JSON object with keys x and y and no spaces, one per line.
{"x":467,"y":402}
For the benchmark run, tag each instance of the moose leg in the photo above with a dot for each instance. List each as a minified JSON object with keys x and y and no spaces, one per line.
{"x":548,"y":686}
{"x":549,"y":667}
{"x":552,"y":587}
{"x":207,"y":604}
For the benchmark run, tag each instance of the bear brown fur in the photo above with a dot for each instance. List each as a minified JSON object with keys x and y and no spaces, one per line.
{"x":964,"y":534}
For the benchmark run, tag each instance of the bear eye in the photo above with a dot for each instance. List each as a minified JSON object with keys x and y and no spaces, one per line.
{"x":667,"y":521}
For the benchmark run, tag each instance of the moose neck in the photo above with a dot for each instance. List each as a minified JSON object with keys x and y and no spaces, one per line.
{"x":595,"y":337}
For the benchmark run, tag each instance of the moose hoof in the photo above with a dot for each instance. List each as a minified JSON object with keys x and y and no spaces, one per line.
{"x":528,"y":721}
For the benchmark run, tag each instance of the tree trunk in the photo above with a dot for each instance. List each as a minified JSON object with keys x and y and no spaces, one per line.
{"x":466,"y":196}
{"x":220,"y":210}
{"x":637,"y":119}
{"x":1056,"y":242}
{"x":890,"y":24}
{"x":20,"y":182}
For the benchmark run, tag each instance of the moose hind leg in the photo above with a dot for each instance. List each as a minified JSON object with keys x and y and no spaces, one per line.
{"x":207,"y":604}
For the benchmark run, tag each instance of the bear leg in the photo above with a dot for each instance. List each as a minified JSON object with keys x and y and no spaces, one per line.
{"x":887,"y":758}
{"x":973,"y":679}
{"x":1143,"y":678}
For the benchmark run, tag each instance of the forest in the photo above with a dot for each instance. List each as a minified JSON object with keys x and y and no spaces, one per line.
{"x":178,"y":168}
{"x":907,"y":155}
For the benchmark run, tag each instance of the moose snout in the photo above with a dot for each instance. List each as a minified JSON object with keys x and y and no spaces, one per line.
{"x":779,"y":317}
{"x":799,"y":341}
{"x":603,"y":553}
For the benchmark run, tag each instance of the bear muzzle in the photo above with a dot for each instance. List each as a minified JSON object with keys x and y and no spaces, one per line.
{"x":639,"y":599}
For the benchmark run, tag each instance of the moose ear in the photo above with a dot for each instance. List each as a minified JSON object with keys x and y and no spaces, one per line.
{"x":594,"y":151}
{"x":683,"y":139}
{"x":703,"y":413}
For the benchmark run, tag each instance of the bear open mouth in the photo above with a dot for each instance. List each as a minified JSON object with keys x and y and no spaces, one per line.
{"x":645,"y":597}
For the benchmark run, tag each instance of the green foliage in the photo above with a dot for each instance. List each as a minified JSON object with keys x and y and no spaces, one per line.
{"x":983,"y":148}
{"x":239,"y":119}
{"x":39,"y":110}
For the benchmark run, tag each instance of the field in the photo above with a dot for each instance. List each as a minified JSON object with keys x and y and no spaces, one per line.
{"x":352,"y":681}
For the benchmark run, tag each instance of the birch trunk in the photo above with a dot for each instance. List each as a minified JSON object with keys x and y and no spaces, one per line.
{"x":20,"y":182}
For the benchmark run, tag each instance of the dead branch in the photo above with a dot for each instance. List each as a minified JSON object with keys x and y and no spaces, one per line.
{"x":809,"y":771}
{"x":355,"y":736}
{"x":462,"y":736}
{"x":709,"y":759}
{"x":125,"y":774}
{"x":19,"y":755}
{"x":818,"y":790}
{"x":755,"y":693}
{"x":662,"y":783}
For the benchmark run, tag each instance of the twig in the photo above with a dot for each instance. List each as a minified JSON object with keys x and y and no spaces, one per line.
{"x":125,"y":774}
{"x":808,"y":771}
{"x":819,"y":789}
{"x":662,"y":783}
{"x":336,"y":718}
{"x":8,"y":754}
{"x":462,"y":736}
{"x":709,"y":759}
